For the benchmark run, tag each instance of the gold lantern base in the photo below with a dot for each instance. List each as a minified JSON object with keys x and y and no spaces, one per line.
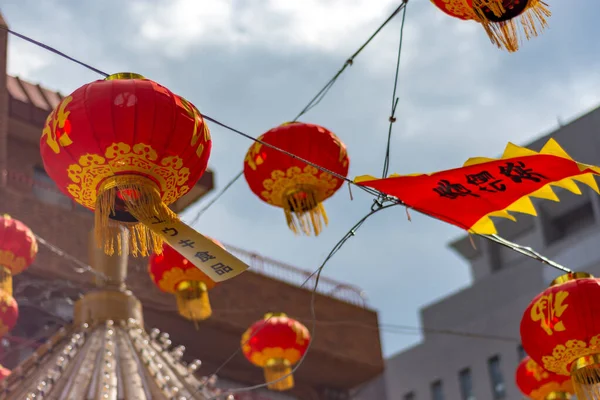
{"x":192,"y":300}
{"x":278,"y":368}
{"x":6,"y":280}
{"x":303,"y":211}
{"x":507,"y":34}
{"x":585,"y":375}
{"x":131,"y":202}
{"x":558,"y":396}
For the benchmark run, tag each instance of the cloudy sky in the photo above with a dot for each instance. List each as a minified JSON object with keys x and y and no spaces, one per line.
{"x":254,"y":64}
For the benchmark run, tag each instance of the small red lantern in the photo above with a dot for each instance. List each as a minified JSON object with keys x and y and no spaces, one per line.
{"x":276,"y":343}
{"x":538,"y":384}
{"x":18,"y":249}
{"x":560,"y":331}
{"x":293,"y":185}
{"x":501,"y":19}
{"x":172,"y":273}
{"x":126,"y":147}
{"x":9,"y":312}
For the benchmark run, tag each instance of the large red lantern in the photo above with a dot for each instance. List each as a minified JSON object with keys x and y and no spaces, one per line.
{"x":173,"y":273}
{"x":126,"y":147}
{"x":538,"y":384}
{"x":501,"y":19}
{"x":560,"y":330}
{"x":18,"y":249}
{"x":276,"y":343}
{"x":293,"y":185}
{"x":9,"y":312}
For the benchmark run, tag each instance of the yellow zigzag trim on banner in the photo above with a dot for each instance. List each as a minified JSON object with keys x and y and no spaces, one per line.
{"x":485,"y":226}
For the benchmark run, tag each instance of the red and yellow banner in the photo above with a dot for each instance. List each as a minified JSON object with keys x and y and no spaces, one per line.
{"x":485,"y":187}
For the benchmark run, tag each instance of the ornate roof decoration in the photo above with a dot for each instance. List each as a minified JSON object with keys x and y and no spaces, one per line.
{"x":106,"y":354}
{"x":109,"y":361}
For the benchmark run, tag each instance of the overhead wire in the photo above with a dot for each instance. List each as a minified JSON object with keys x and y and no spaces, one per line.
{"x":313,"y":313}
{"x":311,"y":104}
{"x":392,"y":119}
{"x":377,"y":206}
{"x":342,"y":241}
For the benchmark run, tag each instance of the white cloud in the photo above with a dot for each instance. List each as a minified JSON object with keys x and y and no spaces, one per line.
{"x":26,"y":60}
{"x":281,"y":25}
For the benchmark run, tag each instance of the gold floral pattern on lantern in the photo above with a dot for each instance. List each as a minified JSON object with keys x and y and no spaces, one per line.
{"x":15,"y":264}
{"x":460,"y":8}
{"x":553,"y":387}
{"x":56,"y":129}
{"x":92,"y":169}
{"x":277,"y":188}
{"x":193,"y":113}
{"x":559,"y":361}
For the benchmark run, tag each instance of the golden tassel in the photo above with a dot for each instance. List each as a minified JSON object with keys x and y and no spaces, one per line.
{"x":507,"y":34}
{"x":6,"y":281}
{"x":303,"y":211}
{"x":585,"y":375}
{"x":275,"y":369}
{"x":138,"y":199}
{"x":192,"y":300}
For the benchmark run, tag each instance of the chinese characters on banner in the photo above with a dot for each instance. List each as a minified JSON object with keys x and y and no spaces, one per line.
{"x":468,"y":196}
{"x":217,"y":263}
{"x":491,"y":182}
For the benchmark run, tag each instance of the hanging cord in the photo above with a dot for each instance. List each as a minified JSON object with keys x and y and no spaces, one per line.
{"x":368,"y":190}
{"x":53,"y":50}
{"x":317,"y":275}
{"x":217,"y":197}
{"x":527,"y":251}
{"x":377,"y":202}
{"x":292,"y":155}
{"x":349,"y":62}
{"x":392,"y":119}
{"x":312,"y":103}
{"x":81,"y":266}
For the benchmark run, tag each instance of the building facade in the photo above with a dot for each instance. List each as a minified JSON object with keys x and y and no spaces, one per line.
{"x":342,"y":356}
{"x":458,"y":367}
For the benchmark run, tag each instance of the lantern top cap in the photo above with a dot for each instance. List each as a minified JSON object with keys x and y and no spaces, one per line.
{"x":570,"y":277}
{"x":274,"y":314}
{"x":124,"y":75}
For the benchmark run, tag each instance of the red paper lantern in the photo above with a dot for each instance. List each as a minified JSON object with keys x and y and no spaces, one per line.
{"x":560,"y":331}
{"x":501,"y":19}
{"x":18,"y":249}
{"x":276,"y":343}
{"x":9,"y":312}
{"x":172,"y":273}
{"x":126,"y":147}
{"x":293,"y":185}
{"x":538,"y":384}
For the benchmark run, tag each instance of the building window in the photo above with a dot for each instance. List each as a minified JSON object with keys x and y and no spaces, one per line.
{"x":575,"y":220}
{"x":45,"y":190}
{"x":496,"y":379}
{"x":437,"y":391}
{"x":521,"y":352}
{"x":466,"y":384}
{"x":410,"y":396}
